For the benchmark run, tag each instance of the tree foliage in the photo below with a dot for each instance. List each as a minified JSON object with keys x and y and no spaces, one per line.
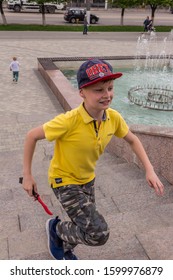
{"x":154,"y":4}
{"x":123,"y":4}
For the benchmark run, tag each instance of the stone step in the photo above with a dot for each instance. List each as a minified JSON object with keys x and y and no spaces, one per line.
{"x":28,"y":243}
{"x":131,"y":237}
{"x":128,"y":204}
{"x":158,"y":243}
{"x":110,"y":165}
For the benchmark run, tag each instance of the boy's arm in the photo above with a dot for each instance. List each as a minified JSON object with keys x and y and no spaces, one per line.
{"x":138,"y":149}
{"x":29,"y":147}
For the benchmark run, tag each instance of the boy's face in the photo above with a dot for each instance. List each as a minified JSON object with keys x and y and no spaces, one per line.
{"x":98,"y":96}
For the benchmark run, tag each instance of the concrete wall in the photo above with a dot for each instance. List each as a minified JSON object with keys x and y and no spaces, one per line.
{"x":158,"y":143}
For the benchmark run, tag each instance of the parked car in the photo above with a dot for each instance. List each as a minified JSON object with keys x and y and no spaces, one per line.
{"x":74,"y":15}
{"x":24,"y":5}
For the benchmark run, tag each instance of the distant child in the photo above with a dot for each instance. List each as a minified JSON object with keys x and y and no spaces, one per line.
{"x":14,"y":67}
{"x":81,"y":136}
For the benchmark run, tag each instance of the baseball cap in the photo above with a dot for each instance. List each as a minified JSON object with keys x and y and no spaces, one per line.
{"x":95,"y":70}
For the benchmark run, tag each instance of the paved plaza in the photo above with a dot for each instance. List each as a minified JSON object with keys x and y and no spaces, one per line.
{"x":141,"y":223}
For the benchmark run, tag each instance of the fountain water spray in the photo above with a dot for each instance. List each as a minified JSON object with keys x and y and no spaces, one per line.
{"x":157,"y":60}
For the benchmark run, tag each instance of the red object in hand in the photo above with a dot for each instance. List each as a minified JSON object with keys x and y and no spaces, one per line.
{"x":37,"y":197}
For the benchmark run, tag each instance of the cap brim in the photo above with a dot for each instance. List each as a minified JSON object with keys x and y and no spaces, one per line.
{"x":108,"y":77}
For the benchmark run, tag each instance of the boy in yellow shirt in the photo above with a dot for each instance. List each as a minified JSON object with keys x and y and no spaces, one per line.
{"x":81,"y":136}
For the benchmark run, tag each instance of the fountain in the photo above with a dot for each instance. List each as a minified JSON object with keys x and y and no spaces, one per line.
{"x":157,"y":63}
{"x":146,"y":82}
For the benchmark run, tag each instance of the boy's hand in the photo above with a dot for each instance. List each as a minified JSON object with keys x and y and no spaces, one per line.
{"x":29,"y":185}
{"x":154,"y":182}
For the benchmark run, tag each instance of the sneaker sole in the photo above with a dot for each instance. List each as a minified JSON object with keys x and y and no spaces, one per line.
{"x":48,"y":237}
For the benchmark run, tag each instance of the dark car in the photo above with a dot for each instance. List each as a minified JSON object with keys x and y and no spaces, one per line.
{"x":74,"y":15}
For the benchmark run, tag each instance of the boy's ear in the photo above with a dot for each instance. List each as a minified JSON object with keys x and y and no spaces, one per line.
{"x":81,"y":93}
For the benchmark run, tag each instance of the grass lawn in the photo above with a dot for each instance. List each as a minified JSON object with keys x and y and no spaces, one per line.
{"x":76,"y":28}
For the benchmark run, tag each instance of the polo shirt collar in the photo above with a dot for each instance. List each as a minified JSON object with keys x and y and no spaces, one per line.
{"x":87,"y":118}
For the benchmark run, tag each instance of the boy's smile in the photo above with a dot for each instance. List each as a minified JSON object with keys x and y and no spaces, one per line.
{"x":97,"y":97}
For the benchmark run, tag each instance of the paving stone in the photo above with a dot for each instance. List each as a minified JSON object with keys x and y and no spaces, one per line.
{"x":5,"y":195}
{"x":9,"y":225}
{"x":135,"y":222}
{"x":158,"y":243}
{"x":39,"y":256}
{"x":10,"y":164}
{"x":29,"y":221}
{"x":110,"y":159}
{"x":129,"y":202}
{"x":118,"y":185}
{"x":116,"y":248}
{"x":9,"y":207}
{"x":27,"y":243}
{"x":107,"y":204}
{"x":4,"y":249}
{"x":11,"y":181}
{"x":164,"y":212}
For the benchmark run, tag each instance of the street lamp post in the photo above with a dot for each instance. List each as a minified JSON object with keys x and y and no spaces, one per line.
{"x":106,"y":4}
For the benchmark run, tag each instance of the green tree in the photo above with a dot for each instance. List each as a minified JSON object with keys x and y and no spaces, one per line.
{"x":154,"y":4}
{"x":123,"y":4}
{"x":2,"y":13}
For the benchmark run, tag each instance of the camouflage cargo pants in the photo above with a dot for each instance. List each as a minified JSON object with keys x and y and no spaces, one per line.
{"x":86,"y":226}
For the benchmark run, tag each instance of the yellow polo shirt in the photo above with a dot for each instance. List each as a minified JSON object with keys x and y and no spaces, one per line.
{"x":78,"y":144}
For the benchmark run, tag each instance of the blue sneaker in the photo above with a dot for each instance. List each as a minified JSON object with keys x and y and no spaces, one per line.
{"x":69,"y":255}
{"x":55,"y":243}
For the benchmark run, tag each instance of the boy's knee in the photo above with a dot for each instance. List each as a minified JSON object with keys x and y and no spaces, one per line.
{"x":97,"y":238}
{"x":99,"y":232}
